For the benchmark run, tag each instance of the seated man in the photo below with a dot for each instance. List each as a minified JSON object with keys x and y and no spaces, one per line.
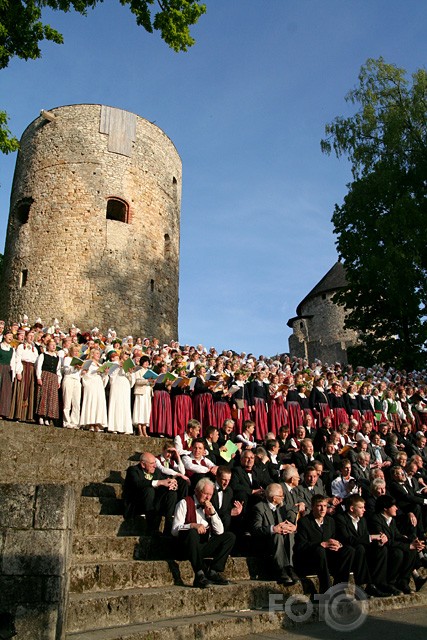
{"x":211,"y":444}
{"x":201,"y":532}
{"x":146,"y":490}
{"x":192,"y":431}
{"x":311,"y":486}
{"x":269,"y":523}
{"x":345,"y":484}
{"x":170,"y":464}
{"x":370,"y":558}
{"x":223,"y":497}
{"x":317,"y":549}
{"x":402,"y":555}
{"x":304,"y":458}
{"x":197,"y":464}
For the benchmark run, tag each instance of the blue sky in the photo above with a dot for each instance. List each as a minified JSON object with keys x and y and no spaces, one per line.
{"x":246,"y":109}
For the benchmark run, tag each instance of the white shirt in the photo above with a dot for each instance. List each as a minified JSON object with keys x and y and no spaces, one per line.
{"x":212,"y":523}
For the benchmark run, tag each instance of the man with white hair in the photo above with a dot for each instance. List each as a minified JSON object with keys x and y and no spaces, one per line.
{"x":201,"y":531}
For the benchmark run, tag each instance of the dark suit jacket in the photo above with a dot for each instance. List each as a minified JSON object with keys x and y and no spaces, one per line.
{"x":347,"y":534}
{"x":241,"y":485}
{"x":378,"y":524}
{"x":309,"y":535}
{"x":405,"y":496}
{"x":227,"y":504}
{"x":135,"y":489}
{"x":299,"y":460}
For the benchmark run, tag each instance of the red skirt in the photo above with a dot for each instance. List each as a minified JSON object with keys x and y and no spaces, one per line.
{"x":357,"y":416}
{"x":182,"y":408}
{"x":394,"y":418}
{"x":202,"y":409}
{"x":239,"y":416}
{"x":48,"y":397}
{"x":323,"y":412}
{"x":339,"y":415}
{"x":161,"y":414}
{"x":277,"y":415}
{"x":295,"y":416}
{"x":259,"y":416}
{"x":368,"y":415}
{"x":221,"y":412}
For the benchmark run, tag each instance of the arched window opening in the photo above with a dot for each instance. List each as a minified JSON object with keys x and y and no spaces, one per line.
{"x":117,"y":210}
{"x":23,"y":210}
{"x":167,"y":246}
{"x":23,"y":278}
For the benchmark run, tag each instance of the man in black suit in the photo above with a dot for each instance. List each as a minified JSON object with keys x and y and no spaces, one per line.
{"x":317,"y":550}
{"x":402,"y":555}
{"x":331,"y":462}
{"x":223,"y":498}
{"x":269,"y":524}
{"x":370,"y":558}
{"x":412,"y":505}
{"x":310,"y":486}
{"x":146,"y":490}
{"x":248,"y":480}
{"x":303,"y":458}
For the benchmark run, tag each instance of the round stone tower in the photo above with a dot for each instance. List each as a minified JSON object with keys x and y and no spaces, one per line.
{"x":318,"y":328}
{"x":93,"y":232}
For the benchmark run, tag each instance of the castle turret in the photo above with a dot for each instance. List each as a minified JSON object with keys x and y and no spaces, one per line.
{"x":318,"y":327}
{"x":93,"y":232}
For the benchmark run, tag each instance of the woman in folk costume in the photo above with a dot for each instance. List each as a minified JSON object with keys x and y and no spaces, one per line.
{"x":258,"y":392}
{"x":366,"y":404}
{"x":143,"y":395}
{"x":295,"y":414}
{"x":319,"y":401}
{"x":240,"y":400}
{"x":337,"y":405}
{"x":221,"y":408}
{"x":119,"y":404}
{"x":351,"y":401}
{"x":48,"y":374}
{"x":7,"y":372}
{"x":202,"y":398}
{"x":182,"y":404}
{"x":71,"y":389}
{"x":277,"y":414}
{"x":393,"y":410}
{"x":380,"y":406}
{"x":24,"y":387}
{"x":94,"y":407}
{"x":161,"y":409}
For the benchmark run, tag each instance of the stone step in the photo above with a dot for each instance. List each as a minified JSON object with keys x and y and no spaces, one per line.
{"x":110,"y":525}
{"x":106,"y":489}
{"x":95,"y":506}
{"x":215,"y":626}
{"x":112,"y":547}
{"x":112,"y":575}
{"x":134,"y":606}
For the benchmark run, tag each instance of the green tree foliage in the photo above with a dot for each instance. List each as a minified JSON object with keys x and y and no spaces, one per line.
{"x":381,"y":224}
{"x":22,"y":30}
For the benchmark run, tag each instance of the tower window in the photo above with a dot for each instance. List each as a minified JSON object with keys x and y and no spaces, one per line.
{"x":152,"y":285}
{"x":23,"y":210}
{"x":167,"y":247}
{"x":117,"y":210}
{"x":23,"y":278}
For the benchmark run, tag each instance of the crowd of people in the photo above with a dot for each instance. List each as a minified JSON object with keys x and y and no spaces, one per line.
{"x":323,"y":465}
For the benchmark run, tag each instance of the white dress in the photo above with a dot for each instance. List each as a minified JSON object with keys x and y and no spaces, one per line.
{"x":143,"y":394}
{"x":94,"y":407}
{"x":119,"y":408}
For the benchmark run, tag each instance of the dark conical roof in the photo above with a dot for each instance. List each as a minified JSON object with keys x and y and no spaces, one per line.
{"x":332,"y":281}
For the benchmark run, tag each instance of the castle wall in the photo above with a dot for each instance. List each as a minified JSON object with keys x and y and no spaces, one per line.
{"x":63,"y":257}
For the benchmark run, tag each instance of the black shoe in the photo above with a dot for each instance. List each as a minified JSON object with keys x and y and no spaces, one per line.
{"x":291,"y":571}
{"x":201,"y":582}
{"x":375,"y":592}
{"x":394,"y":591}
{"x":419,"y":582}
{"x":286,"y":579}
{"x":405,"y":588}
{"x":216,"y":578}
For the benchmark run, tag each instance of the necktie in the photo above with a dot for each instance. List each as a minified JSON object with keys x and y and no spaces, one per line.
{"x":276,"y":516}
{"x":148,"y":476}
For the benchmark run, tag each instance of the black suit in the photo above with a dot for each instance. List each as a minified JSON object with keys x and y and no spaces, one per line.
{"x":243,"y":487}
{"x":224,"y":511}
{"x":370,"y":559}
{"x":330,"y":468}
{"x":278,"y":545}
{"x":310,"y":556}
{"x":401,"y":560}
{"x":409,"y":501}
{"x":141,"y":497}
{"x":301,"y":461}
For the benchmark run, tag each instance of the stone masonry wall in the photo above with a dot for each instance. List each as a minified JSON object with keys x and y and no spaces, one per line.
{"x":67,"y":260}
{"x":36,"y":524}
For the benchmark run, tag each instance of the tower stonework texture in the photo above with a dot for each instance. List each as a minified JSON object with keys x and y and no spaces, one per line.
{"x":318,"y":328}
{"x":93,"y":232}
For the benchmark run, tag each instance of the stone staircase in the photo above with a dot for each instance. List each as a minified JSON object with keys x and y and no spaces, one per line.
{"x":120,"y":587}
